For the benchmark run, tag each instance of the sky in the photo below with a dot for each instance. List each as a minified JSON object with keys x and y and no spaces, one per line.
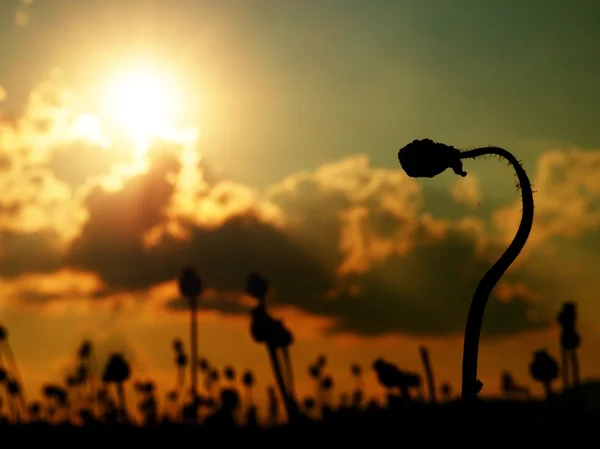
{"x":138,"y":137}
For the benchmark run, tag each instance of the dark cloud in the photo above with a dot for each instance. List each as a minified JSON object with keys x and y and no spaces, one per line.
{"x":31,"y":252}
{"x":111,"y":242}
{"x":224,"y":303}
{"x":420,"y":283}
{"x":427,"y":291}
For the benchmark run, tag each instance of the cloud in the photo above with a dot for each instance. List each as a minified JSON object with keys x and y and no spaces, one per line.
{"x":467,"y":191}
{"x":567,"y":198}
{"x":36,"y":252}
{"x":349,"y":243}
{"x":354,"y":247}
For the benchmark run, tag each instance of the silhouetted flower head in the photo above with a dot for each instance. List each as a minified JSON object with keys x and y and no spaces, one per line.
{"x":309,"y":403}
{"x":181,"y":360}
{"x":35,"y":408}
{"x":387,"y":374}
{"x":14,"y":388}
{"x":203,"y":364}
{"x":446,"y":389}
{"x":85,"y":350}
{"x":229,"y":373}
{"x":569,"y":337}
{"x":327,"y":383}
{"x":543,"y":368}
{"x":257,"y":286}
{"x":190,"y":284}
{"x":117,"y":369}
{"x":248,"y":378}
{"x":177,"y":345}
{"x":314,"y":371}
{"x":3,"y":375}
{"x":426,"y":159}
{"x":57,"y":393}
{"x":214,"y":375}
{"x":355,"y":369}
{"x":567,"y":315}
{"x":3,"y":333}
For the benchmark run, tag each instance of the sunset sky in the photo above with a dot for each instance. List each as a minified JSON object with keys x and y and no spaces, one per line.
{"x":139,"y":136}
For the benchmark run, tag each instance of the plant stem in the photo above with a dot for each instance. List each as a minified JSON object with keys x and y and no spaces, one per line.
{"x":290,"y":409}
{"x":491,"y":278}
{"x":194,"y":345}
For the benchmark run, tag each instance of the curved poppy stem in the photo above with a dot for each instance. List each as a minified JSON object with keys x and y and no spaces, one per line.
{"x":491,"y":278}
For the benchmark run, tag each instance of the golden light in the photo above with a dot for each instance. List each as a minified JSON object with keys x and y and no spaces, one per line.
{"x":143,"y":102}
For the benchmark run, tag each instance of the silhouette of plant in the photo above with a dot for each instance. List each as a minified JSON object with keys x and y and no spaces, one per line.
{"x":86,"y":374}
{"x":357,"y":394}
{"x":425,"y":158}
{"x":544,"y":369}
{"x":391,"y":377}
{"x":172,"y":409}
{"x":356,"y":371}
{"x":227,"y":415}
{"x":273,"y":407}
{"x":181,"y":361}
{"x":327,"y":389}
{"x":229,"y":373}
{"x":511,"y":389}
{"x":569,"y":342}
{"x":58,"y":399}
{"x":214,"y":375}
{"x":429,"y":373}
{"x":117,"y":371}
{"x":267,"y":330}
{"x":203,"y":364}
{"x":35,"y":412}
{"x":190,"y":286}
{"x":248,"y":381}
{"x":315,"y":372}
{"x":446,"y":390}
{"x":14,"y":381}
{"x":147,"y":406}
{"x":309,"y":404}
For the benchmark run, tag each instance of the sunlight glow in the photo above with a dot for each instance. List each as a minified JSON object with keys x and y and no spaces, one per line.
{"x":143,"y":102}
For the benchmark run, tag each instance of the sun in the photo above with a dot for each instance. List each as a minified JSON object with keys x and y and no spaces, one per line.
{"x":143,"y":102}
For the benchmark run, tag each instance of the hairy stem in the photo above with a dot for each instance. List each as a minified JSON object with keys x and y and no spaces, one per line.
{"x":491,"y":278}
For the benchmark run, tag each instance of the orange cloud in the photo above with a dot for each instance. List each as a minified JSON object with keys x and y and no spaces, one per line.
{"x":567,"y":189}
